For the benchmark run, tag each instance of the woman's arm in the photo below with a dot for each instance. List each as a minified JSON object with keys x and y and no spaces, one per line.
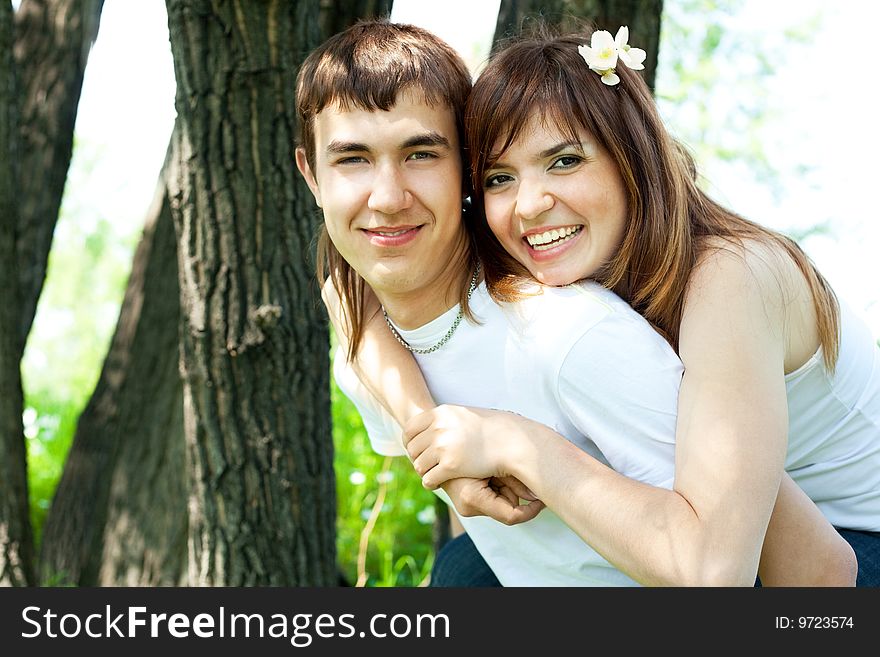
{"x":730,"y":449}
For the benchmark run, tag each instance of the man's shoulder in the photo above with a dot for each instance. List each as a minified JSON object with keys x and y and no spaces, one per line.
{"x":577,"y":306}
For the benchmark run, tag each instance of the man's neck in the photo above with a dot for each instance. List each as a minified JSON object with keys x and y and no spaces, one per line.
{"x":415,"y":308}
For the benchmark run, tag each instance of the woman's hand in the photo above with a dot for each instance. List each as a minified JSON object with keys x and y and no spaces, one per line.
{"x":449,"y":441}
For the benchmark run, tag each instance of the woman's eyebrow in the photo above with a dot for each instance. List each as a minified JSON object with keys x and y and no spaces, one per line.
{"x":560,"y":147}
{"x":570,"y":143}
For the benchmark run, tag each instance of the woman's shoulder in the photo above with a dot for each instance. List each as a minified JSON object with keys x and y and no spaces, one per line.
{"x":728,"y":265}
{"x":752,"y":288}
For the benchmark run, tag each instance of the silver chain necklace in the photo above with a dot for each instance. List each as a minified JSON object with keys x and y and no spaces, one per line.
{"x":449,"y":333}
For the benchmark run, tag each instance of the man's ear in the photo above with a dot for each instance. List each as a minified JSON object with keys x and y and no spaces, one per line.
{"x":302,"y":163}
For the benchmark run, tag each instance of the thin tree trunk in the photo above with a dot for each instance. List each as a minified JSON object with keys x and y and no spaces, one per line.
{"x":52,"y":44}
{"x":254,"y":343}
{"x":641,"y":16}
{"x":43,"y":52}
{"x":16,"y":542}
{"x":119,"y":514}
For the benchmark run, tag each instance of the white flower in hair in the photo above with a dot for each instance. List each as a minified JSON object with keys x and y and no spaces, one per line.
{"x":604,"y":51}
{"x":601,"y":54}
{"x":632,"y":57}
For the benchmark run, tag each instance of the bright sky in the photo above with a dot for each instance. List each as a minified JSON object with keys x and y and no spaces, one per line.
{"x":126,"y":115}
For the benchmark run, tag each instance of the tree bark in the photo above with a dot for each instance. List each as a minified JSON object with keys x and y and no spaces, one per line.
{"x":43,"y":52}
{"x":336,"y":15}
{"x":16,"y":542}
{"x":52,"y":44}
{"x":641,"y":16}
{"x":254,"y":342}
{"x":119,"y":514}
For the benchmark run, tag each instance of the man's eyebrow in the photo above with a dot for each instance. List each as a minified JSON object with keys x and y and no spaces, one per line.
{"x":336,"y":147}
{"x":426,"y":139}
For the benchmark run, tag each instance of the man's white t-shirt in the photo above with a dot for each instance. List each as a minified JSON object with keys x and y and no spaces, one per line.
{"x":554,"y":357}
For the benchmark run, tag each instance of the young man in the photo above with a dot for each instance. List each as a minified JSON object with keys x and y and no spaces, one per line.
{"x":380,"y":111}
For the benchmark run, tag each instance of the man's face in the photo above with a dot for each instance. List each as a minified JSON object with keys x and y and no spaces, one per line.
{"x":390,"y":186}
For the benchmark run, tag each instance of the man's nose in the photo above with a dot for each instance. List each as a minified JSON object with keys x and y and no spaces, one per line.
{"x":389,"y":194}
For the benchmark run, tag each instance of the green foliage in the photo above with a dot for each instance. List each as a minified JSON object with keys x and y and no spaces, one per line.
{"x":49,"y":425}
{"x":77,"y":311}
{"x":400,"y":545}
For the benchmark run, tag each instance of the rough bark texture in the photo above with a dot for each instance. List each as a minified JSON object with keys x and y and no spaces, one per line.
{"x":254,"y":342}
{"x":16,"y":543}
{"x":119,"y":512}
{"x":129,"y":527}
{"x":641,"y":16}
{"x":337,"y":15}
{"x":52,"y":44}
{"x":145,"y":531}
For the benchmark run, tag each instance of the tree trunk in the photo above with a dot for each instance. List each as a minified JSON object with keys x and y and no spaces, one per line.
{"x":254,"y":342}
{"x":129,"y":527}
{"x":52,"y":44}
{"x":16,"y":543}
{"x":43,"y":52}
{"x":118,"y":516}
{"x":641,"y":16}
{"x":337,"y":15}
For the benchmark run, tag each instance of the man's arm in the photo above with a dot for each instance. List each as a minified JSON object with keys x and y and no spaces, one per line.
{"x":384,"y":367}
{"x":496,"y":498}
{"x":801,"y":548}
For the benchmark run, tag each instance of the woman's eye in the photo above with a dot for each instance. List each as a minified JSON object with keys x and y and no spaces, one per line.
{"x":566,"y":162}
{"x":421,"y":155}
{"x":496,"y":180}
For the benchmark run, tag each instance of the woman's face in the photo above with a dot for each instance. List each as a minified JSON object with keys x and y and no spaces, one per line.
{"x":559,"y":207}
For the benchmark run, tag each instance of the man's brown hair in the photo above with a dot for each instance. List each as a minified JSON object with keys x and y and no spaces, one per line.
{"x":367,"y":67}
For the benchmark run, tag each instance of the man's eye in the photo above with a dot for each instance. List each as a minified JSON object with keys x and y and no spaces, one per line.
{"x":352,"y":159}
{"x":421,"y":155}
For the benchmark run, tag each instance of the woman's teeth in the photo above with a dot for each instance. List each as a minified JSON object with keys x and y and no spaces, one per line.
{"x":552,"y":238}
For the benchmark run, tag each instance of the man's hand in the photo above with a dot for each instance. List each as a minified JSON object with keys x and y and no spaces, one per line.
{"x":497,"y":498}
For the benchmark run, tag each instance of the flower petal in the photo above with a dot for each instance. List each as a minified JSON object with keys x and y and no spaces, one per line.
{"x":610,"y":78}
{"x":622,"y":36}
{"x":586,"y":52}
{"x":602,"y":39}
{"x":633,"y":57}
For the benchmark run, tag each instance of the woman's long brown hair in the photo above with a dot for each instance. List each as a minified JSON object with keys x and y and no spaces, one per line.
{"x":669,"y":217}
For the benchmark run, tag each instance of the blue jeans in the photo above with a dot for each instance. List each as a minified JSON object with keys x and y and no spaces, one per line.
{"x":866,"y":545}
{"x":458,"y":564}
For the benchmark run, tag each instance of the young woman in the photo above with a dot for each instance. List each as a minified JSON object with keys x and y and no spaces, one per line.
{"x":579,"y":179}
